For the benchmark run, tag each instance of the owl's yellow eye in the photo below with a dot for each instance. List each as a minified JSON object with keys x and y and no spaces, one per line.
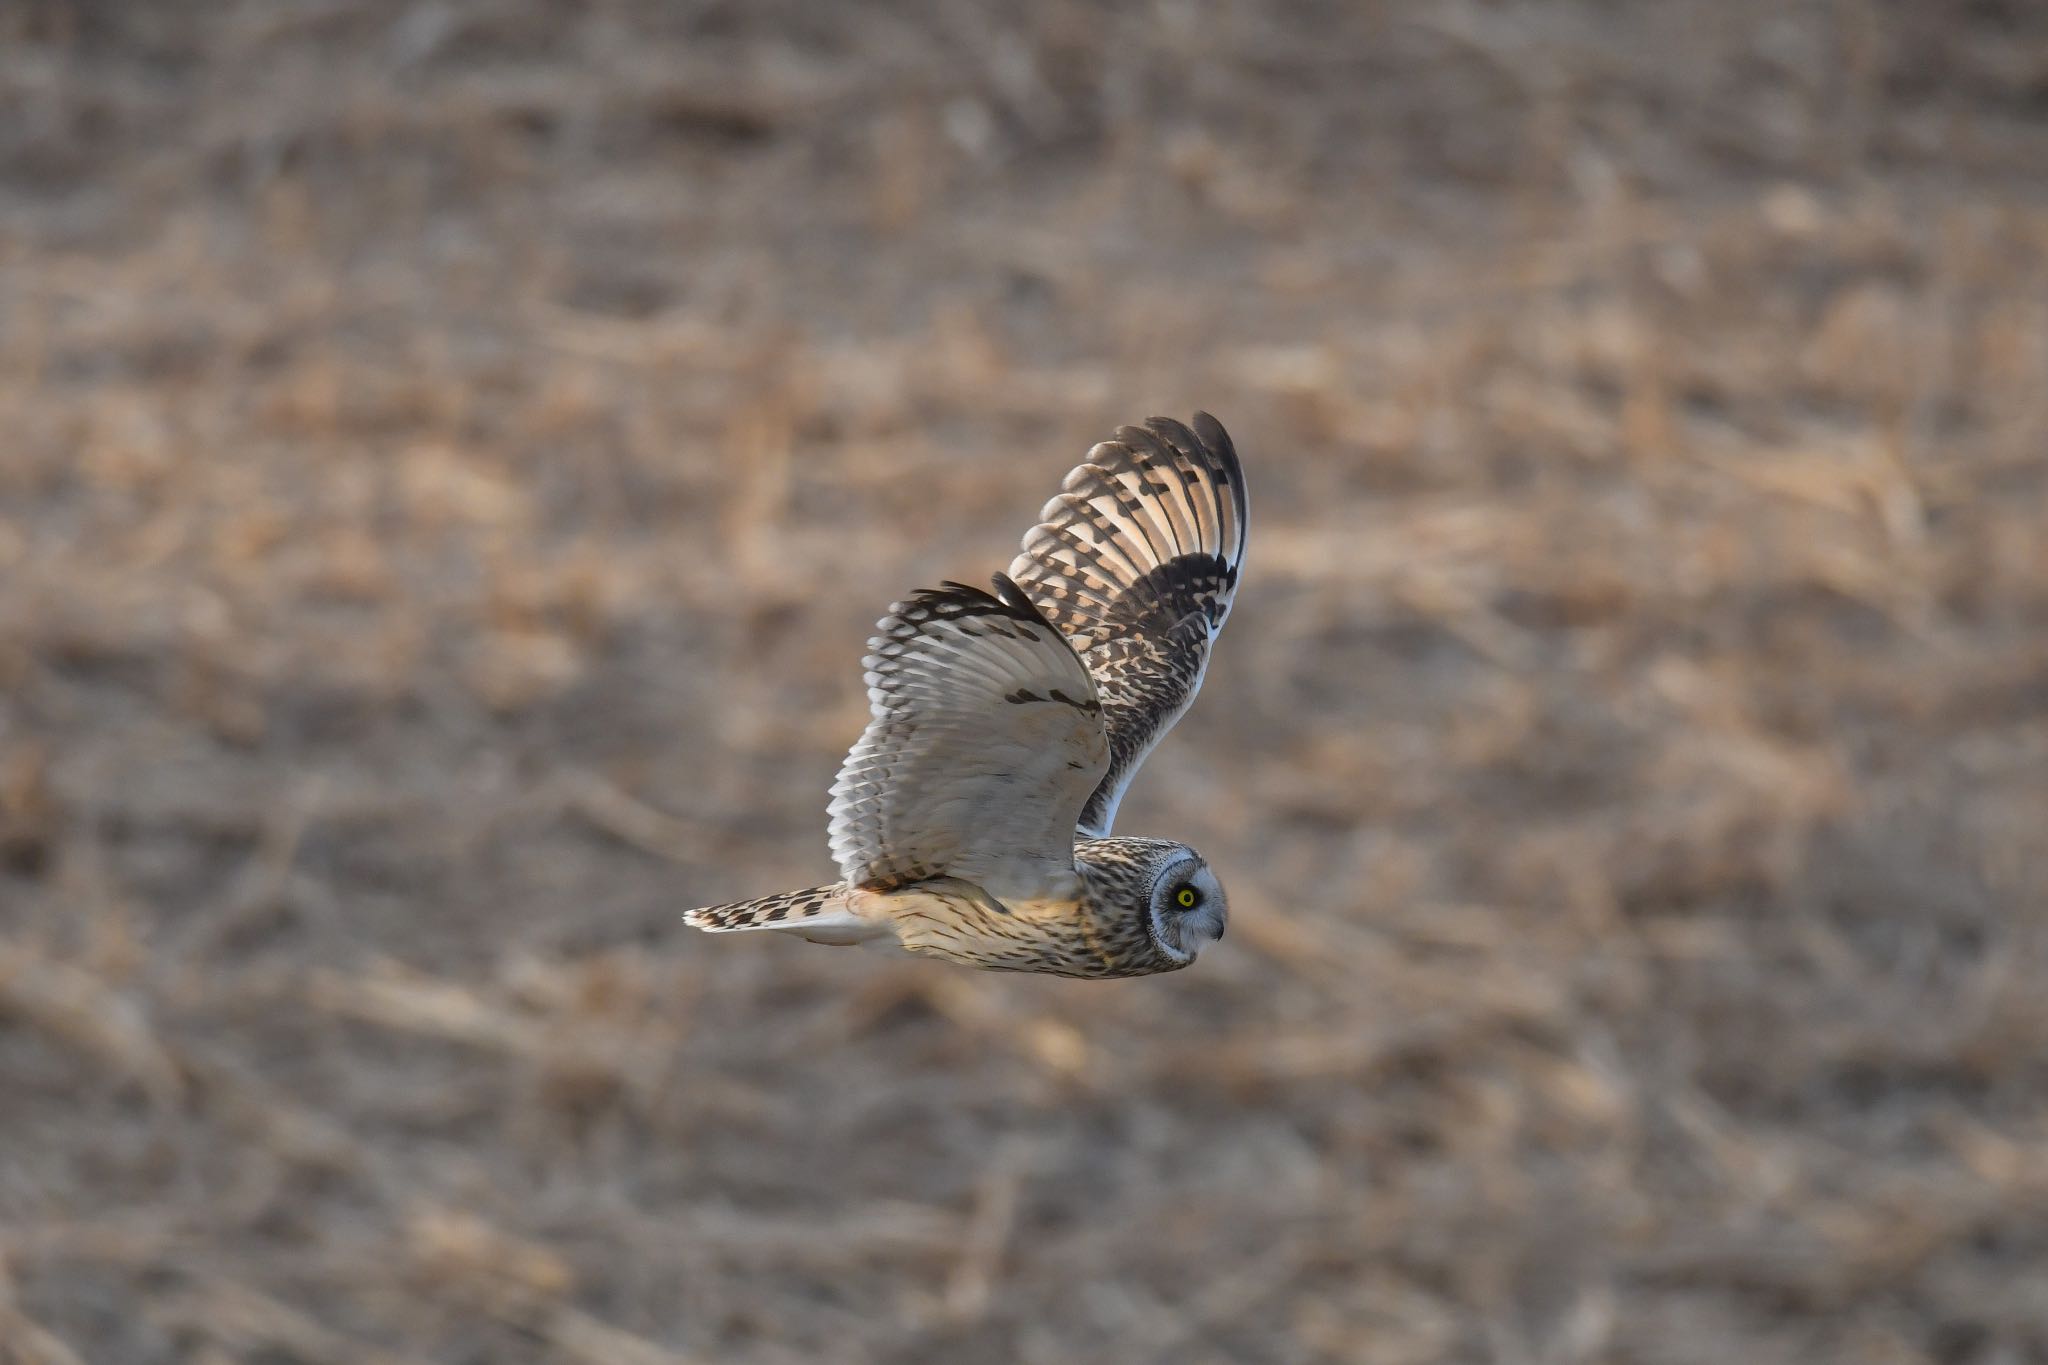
{"x":1186,"y":898}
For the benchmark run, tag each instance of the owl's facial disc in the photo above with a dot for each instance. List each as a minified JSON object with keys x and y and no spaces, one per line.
{"x":1188,"y":908}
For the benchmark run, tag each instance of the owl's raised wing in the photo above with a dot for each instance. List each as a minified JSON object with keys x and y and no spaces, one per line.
{"x":986,"y":741}
{"x":1136,"y":561}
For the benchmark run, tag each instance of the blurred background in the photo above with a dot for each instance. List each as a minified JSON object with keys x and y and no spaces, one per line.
{"x":454,"y":454}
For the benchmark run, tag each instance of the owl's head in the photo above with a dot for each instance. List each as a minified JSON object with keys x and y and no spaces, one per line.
{"x":1187,"y":907}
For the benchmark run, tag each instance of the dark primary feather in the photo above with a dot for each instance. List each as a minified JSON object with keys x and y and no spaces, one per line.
{"x":1137,"y":561}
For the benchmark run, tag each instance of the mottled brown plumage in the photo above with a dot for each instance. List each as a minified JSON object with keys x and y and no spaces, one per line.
{"x":1004,"y":722}
{"x":1136,"y":561}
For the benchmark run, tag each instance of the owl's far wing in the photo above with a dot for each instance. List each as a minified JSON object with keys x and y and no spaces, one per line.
{"x":986,"y":741}
{"x":1136,"y":561}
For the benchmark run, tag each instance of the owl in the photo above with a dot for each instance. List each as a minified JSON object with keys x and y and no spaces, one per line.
{"x":971,"y":822}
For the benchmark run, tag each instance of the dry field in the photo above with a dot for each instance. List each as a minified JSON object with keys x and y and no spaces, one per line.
{"x":452,"y":453}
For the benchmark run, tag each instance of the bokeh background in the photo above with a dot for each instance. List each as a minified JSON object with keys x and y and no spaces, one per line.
{"x":451,"y":456}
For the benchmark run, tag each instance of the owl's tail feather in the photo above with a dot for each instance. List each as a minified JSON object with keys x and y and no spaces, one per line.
{"x":822,"y":914}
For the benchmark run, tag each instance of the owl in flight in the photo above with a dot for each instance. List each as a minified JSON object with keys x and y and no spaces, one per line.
{"x":972,"y":820}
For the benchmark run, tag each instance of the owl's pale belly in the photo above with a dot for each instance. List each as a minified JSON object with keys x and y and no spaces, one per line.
{"x":961,"y":923}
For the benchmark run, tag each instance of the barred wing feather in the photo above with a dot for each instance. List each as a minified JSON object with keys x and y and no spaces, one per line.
{"x":1137,"y":561}
{"x":986,"y":741}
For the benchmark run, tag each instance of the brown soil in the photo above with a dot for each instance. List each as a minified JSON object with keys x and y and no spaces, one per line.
{"x":453,"y":454}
